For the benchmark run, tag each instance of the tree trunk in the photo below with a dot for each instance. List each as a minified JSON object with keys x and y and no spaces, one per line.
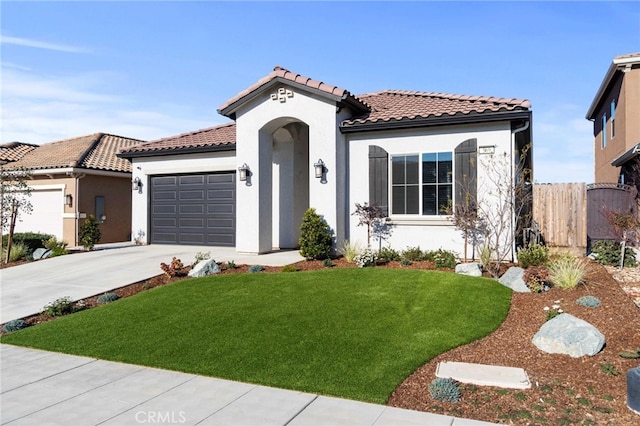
{"x":14,"y":214}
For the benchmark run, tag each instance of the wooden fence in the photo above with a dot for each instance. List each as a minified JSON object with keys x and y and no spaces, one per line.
{"x":560,"y":210}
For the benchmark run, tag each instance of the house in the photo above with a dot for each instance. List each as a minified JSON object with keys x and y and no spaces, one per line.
{"x":74,"y":178}
{"x":295,"y":143}
{"x":615,"y":112}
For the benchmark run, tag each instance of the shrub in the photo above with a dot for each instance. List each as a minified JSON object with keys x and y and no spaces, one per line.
{"x":32,"y":240}
{"x":58,"y":248}
{"x":289,"y":268}
{"x":14,"y":325}
{"x":231,"y":265}
{"x":59,"y":307}
{"x":350,"y":249}
{"x":445,"y":390}
{"x":315,"y":236}
{"x":18,"y":251}
{"x":366,"y":258}
{"x":89,"y":233}
{"x":200,"y":256}
{"x":405,"y":262}
{"x":588,"y":301}
{"x":172,"y":269}
{"x":255,"y":268}
{"x":608,"y":253}
{"x":537,"y":278}
{"x":442,"y":258}
{"x":566,"y":272}
{"x":108,"y":298}
{"x":533,"y":255}
{"x":327,"y":263}
{"x":387,"y":254}
{"x":413,"y":254}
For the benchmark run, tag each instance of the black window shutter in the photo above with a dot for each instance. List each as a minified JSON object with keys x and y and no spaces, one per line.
{"x":466,"y":164}
{"x":379,"y":177}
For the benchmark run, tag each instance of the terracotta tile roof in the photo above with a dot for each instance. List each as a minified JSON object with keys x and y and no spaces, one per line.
{"x":96,"y":151}
{"x":13,"y":151}
{"x":399,"y":105}
{"x":222,"y":136}
{"x":284,"y":74}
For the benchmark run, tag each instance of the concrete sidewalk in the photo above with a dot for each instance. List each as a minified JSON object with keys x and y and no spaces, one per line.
{"x":26,"y":289}
{"x":41,"y":387}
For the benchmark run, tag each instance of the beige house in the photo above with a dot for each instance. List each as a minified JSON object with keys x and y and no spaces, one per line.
{"x":74,"y":178}
{"x":615,"y":112}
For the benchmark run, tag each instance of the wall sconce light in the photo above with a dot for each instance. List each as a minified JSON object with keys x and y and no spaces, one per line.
{"x":243,"y":172}
{"x":136,"y":184}
{"x":320,"y":169}
{"x":68,"y":200}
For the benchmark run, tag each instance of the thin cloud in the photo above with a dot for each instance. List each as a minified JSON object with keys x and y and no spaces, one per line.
{"x":19,"y":41}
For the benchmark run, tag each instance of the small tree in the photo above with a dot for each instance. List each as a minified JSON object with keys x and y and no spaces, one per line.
{"x":625,"y":225}
{"x":14,"y":201}
{"x":374,"y":218}
{"x":89,"y":233}
{"x":316,"y":239}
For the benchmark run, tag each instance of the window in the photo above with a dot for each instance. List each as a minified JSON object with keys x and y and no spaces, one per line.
{"x":425,"y":180}
{"x":613,"y":119}
{"x":100,"y":211}
{"x":603,"y":133}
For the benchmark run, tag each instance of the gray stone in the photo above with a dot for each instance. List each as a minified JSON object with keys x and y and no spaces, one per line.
{"x":633,"y":390}
{"x":41,"y":253}
{"x":513,"y":279}
{"x":566,"y":334}
{"x":472,"y":269}
{"x":204,"y":268}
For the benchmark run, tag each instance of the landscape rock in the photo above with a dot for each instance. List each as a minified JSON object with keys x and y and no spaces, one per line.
{"x":41,"y":253}
{"x":471,"y":269}
{"x":566,"y":334}
{"x":204,"y":268}
{"x":513,"y":279}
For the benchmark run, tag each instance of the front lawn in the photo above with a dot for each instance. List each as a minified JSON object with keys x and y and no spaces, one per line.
{"x":353,"y":333}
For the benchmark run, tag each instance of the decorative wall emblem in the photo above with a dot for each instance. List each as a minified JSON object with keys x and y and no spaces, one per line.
{"x":281,"y":95}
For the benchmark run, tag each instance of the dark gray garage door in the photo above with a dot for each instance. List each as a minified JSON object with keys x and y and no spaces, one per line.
{"x":194,"y":209}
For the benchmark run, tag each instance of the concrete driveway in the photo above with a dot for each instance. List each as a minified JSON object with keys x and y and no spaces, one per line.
{"x":26,"y":289}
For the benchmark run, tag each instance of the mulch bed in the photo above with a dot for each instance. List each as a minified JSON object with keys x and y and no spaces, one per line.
{"x":587,"y":390}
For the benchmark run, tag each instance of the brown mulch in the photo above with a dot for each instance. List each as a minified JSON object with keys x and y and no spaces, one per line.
{"x":565,"y":390}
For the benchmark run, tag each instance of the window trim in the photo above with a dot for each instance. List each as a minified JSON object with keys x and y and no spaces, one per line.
{"x":613,"y":119}
{"x":603,"y":131}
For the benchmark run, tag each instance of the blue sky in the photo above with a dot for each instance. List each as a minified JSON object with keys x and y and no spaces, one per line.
{"x":154,"y":69}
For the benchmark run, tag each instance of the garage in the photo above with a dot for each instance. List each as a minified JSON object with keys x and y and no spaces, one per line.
{"x":193,"y":209}
{"x":46,"y":216}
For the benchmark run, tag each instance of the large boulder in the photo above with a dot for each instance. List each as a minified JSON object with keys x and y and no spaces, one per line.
{"x":472,"y":269}
{"x":513,"y":279}
{"x":41,"y":253}
{"x":204,"y":268}
{"x":566,"y":334}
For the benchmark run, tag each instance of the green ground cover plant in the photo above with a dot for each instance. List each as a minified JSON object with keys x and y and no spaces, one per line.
{"x":348,"y":332}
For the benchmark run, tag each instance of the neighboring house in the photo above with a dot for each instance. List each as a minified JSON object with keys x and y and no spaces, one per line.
{"x":302,"y":143}
{"x":74,"y":178}
{"x":615,"y":112}
{"x":13,"y":151}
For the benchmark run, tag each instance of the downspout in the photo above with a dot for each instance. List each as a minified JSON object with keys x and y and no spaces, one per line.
{"x":513,"y":194}
{"x":77,"y":177}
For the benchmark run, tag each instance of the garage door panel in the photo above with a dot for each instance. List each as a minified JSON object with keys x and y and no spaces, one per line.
{"x":198,"y":209}
{"x":47,"y":213}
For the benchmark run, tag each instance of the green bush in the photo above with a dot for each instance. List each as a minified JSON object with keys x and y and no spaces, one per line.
{"x":608,"y":253}
{"x":62,"y":306}
{"x":315,"y":236}
{"x":58,"y":248}
{"x":14,"y":325}
{"x":255,"y":268}
{"x":231,"y":265}
{"x":350,"y":250}
{"x":413,"y":254}
{"x":89,"y":233}
{"x":327,"y":263}
{"x":534,"y":255}
{"x":537,"y":278}
{"x":366,"y":258}
{"x":442,"y":258}
{"x":32,"y":240}
{"x":445,"y":390}
{"x":387,"y":254}
{"x":107,"y":298}
{"x":566,"y":272}
{"x":289,"y":268}
{"x":405,"y":262}
{"x":588,"y":301}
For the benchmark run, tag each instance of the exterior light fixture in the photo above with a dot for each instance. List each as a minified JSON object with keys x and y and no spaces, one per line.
{"x":136,"y":184}
{"x":68,"y":200}
{"x":319,"y":168}
{"x":243,"y":172}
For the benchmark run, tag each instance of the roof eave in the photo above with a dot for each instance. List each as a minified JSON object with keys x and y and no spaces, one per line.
{"x":626,"y":156}
{"x":436,"y":121}
{"x":616,"y":65}
{"x":178,"y":150}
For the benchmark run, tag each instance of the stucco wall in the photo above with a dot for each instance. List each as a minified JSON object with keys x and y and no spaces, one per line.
{"x":433,"y":232}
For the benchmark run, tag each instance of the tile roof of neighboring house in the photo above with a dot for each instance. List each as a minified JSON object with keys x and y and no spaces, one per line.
{"x":399,"y":105}
{"x":96,"y":151}
{"x":221,"y":137}
{"x":282,"y":74}
{"x":13,"y":151}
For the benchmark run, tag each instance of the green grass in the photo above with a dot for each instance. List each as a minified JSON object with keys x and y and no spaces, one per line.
{"x":350,"y":332}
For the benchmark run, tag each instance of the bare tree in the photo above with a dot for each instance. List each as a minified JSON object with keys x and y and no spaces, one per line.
{"x":464,"y":214}
{"x":14,"y":201}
